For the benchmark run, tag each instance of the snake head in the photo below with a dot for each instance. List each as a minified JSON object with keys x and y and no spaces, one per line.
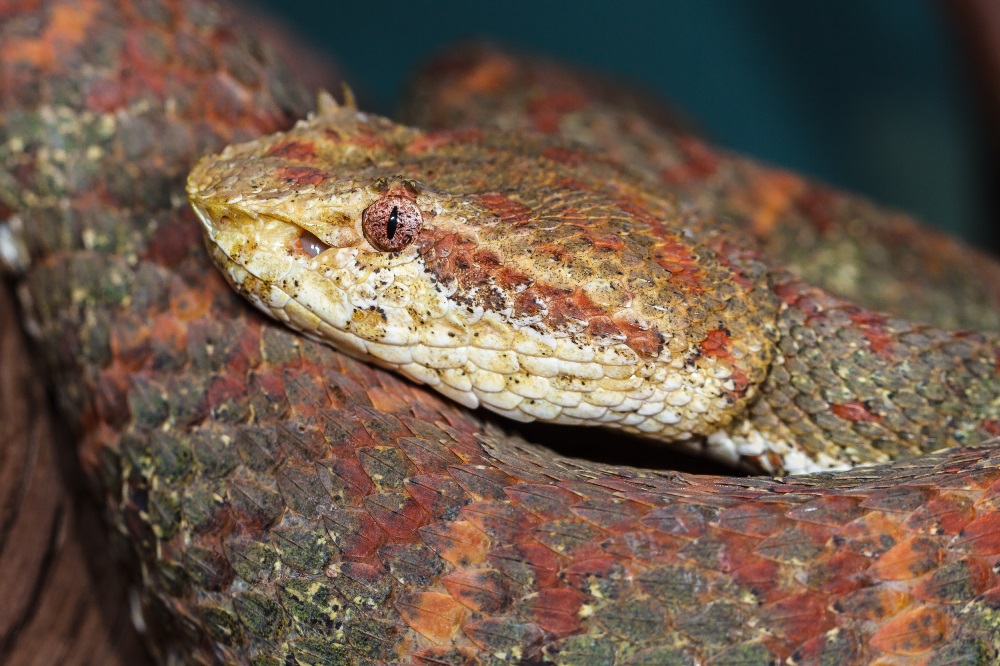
{"x":505,"y":270}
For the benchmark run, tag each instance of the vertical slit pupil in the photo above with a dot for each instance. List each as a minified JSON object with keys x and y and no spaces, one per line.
{"x":390,"y":229}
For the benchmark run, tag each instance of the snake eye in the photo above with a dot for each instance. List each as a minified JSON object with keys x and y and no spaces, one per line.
{"x":391,"y":223}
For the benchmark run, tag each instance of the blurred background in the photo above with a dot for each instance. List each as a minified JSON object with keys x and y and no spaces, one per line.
{"x":889,"y":98}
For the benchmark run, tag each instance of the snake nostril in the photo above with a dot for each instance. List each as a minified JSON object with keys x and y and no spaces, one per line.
{"x":311,"y":245}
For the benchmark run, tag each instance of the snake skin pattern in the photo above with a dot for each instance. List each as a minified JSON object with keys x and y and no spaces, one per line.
{"x":901,"y":267}
{"x":545,"y":284}
{"x":284,"y":504}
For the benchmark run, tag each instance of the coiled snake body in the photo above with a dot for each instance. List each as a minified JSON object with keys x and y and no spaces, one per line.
{"x":286,"y":504}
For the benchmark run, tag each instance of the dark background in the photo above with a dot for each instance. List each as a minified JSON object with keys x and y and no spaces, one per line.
{"x":878,"y":96}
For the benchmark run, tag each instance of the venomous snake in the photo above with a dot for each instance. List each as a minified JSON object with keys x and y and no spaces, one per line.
{"x":284,"y":503}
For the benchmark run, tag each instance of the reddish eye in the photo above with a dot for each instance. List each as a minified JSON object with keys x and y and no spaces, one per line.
{"x":391,"y":223}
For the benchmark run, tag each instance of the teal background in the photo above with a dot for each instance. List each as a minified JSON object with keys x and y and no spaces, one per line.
{"x":871,"y":95}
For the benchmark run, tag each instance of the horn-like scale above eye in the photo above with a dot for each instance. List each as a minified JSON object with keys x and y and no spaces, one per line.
{"x":391,"y":223}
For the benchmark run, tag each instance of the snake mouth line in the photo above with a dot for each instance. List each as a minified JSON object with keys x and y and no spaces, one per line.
{"x":589,"y":443}
{"x":274,"y":259}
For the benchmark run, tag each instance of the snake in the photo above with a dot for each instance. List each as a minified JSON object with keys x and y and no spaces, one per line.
{"x":279,"y":501}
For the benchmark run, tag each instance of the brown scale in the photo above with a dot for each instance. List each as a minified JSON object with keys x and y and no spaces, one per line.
{"x":901,"y":267}
{"x":262,"y":483}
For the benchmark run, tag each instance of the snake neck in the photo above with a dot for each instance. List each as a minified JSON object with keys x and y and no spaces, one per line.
{"x":850,"y":386}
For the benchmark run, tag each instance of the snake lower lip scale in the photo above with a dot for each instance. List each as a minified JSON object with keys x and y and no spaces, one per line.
{"x":285,"y":503}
